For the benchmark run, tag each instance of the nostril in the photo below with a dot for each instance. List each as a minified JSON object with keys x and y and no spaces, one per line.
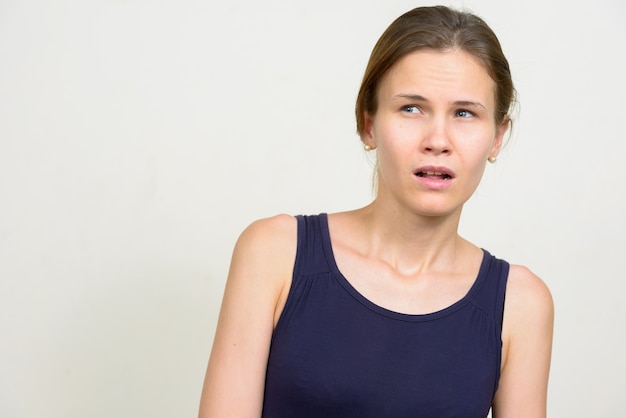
{"x":437,"y":150}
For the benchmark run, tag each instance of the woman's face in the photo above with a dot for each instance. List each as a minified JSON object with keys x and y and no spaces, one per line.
{"x":433,"y":130}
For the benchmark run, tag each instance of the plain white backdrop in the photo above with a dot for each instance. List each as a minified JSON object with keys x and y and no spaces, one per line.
{"x":138,"y":138}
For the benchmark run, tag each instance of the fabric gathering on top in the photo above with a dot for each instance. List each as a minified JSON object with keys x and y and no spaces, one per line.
{"x":334,"y":353}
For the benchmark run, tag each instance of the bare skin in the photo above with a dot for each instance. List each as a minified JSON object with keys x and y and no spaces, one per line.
{"x":402,"y":251}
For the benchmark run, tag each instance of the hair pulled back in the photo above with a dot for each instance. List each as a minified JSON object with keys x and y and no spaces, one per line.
{"x":436,"y":28}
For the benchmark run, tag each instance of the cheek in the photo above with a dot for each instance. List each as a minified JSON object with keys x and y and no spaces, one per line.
{"x":392,"y":157}
{"x":477,"y":143}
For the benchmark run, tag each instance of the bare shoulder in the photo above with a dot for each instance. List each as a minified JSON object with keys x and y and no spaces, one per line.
{"x":527,"y":294}
{"x":275,"y":237}
{"x":270,"y":233}
{"x":528,"y":310}
{"x":260,"y":273}
{"x":264,"y":256}
{"x":275,"y":224}
{"x":526,"y":346}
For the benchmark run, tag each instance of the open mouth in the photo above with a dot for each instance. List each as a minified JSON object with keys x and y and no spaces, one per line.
{"x":439,"y":175}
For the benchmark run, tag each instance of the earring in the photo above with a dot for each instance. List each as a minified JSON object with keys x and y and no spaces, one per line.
{"x":492,"y":160}
{"x":367,"y":148}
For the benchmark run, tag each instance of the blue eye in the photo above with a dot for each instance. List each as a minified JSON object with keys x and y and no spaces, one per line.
{"x":411,"y":109}
{"x":464,"y":113}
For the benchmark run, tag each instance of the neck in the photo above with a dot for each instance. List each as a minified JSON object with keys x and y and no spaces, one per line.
{"x":410,"y":242}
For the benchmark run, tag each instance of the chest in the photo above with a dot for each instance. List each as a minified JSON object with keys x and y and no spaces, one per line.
{"x":410,"y":294}
{"x":334,"y":355}
{"x":410,"y":288}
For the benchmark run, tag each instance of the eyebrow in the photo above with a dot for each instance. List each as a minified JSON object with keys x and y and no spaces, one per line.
{"x":418,"y":98}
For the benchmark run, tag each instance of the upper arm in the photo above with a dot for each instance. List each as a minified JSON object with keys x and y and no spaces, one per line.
{"x":260,"y":270}
{"x":527,"y":347}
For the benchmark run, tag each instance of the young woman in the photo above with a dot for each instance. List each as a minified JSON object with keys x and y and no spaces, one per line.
{"x":385,"y":311}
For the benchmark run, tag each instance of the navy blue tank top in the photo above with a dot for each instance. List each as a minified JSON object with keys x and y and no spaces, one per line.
{"x":334,"y":353}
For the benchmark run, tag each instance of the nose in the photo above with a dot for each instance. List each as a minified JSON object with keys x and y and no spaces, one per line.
{"x":436,"y":138}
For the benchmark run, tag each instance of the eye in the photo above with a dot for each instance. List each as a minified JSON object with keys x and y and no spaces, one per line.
{"x":411,"y":109}
{"x":463,"y":113}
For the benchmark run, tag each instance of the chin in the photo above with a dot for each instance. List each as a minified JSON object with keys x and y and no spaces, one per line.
{"x":437,"y":210}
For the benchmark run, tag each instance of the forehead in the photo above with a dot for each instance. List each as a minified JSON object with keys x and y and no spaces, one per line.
{"x":439,"y":75}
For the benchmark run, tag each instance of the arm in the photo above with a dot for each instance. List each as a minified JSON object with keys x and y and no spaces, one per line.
{"x":258,"y":281}
{"x":527,"y":347}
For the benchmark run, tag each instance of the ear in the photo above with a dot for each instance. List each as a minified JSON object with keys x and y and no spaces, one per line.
{"x":501,"y":130}
{"x":367,"y":137}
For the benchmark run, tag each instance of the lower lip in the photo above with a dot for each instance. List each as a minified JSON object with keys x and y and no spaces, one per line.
{"x":433,"y":183}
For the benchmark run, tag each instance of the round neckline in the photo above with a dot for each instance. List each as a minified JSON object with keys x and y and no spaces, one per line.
{"x":332,"y":263}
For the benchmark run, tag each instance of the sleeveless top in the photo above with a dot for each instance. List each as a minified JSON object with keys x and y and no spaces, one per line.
{"x":335,"y":353}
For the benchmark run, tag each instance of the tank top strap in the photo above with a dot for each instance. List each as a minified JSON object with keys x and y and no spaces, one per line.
{"x":310,"y":254}
{"x":490,"y":297}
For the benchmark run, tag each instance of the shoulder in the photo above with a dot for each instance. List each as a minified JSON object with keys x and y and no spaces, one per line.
{"x":270,"y":239}
{"x":262,"y":263}
{"x":526,"y":346}
{"x":259,"y":275}
{"x":276,"y":230}
{"x":528,"y":308}
{"x":527,"y":294}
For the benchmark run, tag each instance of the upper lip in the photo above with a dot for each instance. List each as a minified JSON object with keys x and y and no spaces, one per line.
{"x":432,"y":169}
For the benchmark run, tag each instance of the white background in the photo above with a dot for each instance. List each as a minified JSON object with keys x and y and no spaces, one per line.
{"x":138,"y":138}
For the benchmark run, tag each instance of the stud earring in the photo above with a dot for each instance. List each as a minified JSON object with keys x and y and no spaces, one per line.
{"x":492,"y":160}
{"x":367,"y":148}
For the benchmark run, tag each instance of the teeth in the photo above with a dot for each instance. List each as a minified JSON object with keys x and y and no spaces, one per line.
{"x":441,"y":174}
